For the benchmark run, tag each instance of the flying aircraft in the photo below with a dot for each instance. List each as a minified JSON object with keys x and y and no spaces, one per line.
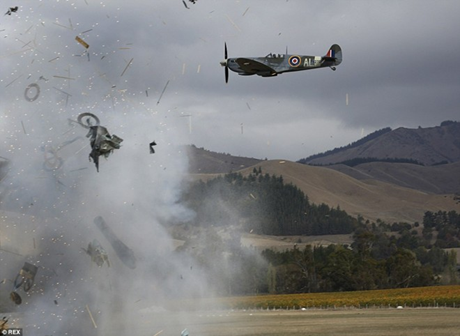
{"x":274,"y":64}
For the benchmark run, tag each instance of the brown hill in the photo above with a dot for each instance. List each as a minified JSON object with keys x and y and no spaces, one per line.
{"x":426,"y":145}
{"x":441,"y":179}
{"x":371,"y":199}
{"x":202,"y":161}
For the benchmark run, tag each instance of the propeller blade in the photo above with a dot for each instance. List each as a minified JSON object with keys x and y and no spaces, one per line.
{"x":226,"y":66}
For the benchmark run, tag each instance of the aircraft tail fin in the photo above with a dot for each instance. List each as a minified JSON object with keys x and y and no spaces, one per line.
{"x":335,"y":52}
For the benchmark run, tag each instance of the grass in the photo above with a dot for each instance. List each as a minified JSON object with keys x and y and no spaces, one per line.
{"x":435,"y":296}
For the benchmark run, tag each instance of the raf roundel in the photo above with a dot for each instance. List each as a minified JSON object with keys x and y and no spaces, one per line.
{"x":294,"y":61}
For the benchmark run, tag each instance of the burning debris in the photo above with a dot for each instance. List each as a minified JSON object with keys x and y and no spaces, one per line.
{"x":124,"y":253}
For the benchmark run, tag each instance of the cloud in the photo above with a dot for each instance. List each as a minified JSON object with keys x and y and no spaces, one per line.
{"x":397,"y":59}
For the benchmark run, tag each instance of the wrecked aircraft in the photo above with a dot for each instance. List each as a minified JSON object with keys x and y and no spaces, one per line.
{"x":102,"y":143}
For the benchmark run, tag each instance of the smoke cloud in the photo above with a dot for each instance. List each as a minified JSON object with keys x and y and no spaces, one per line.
{"x":51,"y":193}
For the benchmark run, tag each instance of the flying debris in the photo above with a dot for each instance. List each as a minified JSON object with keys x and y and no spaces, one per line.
{"x":12,"y":10}
{"x":83,"y":43}
{"x":153,"y":143}
{"x":102,"y":143}
{"x":274,"y":64}
{"x":25,"y":278}
{"x":16,"y":298}
{"x":35,"y":96}
{"x":52,"y":160}
{"x":185,"y":4}
{"x":97,"y":253}
{"x":162,"y":92}
{"x":3,"y":325}
{"x":91,"y":317}
{"x":90,"y":119}
{"x":124,"y":253}
{"x":127,"y":66}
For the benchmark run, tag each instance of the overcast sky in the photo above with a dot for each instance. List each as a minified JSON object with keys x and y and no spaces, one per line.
{"x":400,"y":69}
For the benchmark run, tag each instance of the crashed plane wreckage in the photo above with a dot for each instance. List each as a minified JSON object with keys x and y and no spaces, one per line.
{"x":102,"y":143}
{"x":124,"y":253}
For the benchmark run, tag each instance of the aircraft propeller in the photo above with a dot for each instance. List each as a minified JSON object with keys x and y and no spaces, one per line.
{"x":224,"y":63}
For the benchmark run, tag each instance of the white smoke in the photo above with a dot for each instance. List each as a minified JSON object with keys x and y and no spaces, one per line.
{"x":52,"y":193}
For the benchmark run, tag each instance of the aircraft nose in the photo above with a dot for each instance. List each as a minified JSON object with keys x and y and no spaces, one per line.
{"x":223,"y":63}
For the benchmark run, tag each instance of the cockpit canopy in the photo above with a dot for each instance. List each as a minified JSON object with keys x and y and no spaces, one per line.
{"x":270,"y":55}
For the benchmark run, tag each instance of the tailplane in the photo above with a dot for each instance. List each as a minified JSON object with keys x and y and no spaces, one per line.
{"x":335,"y":54}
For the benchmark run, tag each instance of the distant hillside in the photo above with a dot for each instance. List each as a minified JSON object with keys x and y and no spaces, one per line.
{"x":202,"y":161}
{"x":388,"y":191}
{"x":427,"y":146}
{"x":361,"y":141}
{"x":439,"y":179}
{"x":370,"y":198}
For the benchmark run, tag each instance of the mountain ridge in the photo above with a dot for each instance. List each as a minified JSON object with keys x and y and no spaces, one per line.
{"x":428,"y":146}
{"x":391,"y":192}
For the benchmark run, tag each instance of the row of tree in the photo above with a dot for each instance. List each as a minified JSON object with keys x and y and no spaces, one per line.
{"x":374,"y":261}
{"x":263,"y":204}
{"x":446,"y":226}
{"x":383,"y":255}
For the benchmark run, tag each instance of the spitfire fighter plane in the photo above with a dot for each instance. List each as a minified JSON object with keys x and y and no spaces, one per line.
{"x":274,"y":64}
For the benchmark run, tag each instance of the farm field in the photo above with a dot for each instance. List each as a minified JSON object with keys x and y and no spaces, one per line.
{"x":435,"y":296}
{"x":318,"y":322}
{"x":434,"y":311}
{"x":394,"y":322}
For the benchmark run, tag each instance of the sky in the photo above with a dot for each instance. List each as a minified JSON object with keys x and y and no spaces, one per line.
{"x":399,"y":69}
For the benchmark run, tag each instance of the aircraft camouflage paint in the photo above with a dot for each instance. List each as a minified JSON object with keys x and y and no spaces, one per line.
{"x":273,"y":64}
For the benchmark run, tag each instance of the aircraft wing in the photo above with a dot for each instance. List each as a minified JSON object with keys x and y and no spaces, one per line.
{"x":251,"y":66}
